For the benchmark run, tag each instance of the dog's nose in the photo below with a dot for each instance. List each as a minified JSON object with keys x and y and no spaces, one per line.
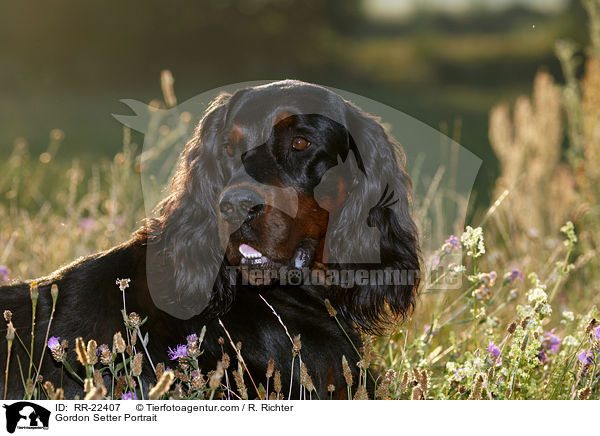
{"x":238,"y":204}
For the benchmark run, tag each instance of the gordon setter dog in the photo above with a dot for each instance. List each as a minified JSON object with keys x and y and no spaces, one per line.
{"x":286,"y":196}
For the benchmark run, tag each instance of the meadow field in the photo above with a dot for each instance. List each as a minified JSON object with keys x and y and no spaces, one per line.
{"x":523,"y":325}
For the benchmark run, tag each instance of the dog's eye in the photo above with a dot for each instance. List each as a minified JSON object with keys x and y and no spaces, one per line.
{"x":299,"y":143}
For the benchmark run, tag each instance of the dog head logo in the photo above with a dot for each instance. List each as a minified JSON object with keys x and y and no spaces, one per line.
{"x":26,"y":415}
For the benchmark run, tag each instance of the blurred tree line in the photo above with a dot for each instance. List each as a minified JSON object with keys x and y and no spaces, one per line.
{"x":67,"y":63}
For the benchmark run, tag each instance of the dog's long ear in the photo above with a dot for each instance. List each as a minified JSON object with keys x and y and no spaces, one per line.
{"x":375,"y":231}
{"x":184,"y":263}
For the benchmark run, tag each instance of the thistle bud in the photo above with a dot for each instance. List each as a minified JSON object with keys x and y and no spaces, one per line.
{"x":106,"y":356}
{"x":10,"y":332}
{"x":34,"y":292}
{"x":54,"y":293}
{"x":134,"y":319}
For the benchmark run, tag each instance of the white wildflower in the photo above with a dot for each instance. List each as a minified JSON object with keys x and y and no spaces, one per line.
{"x":537,"y":295}
{"x":472,"y":240}
{"x":568,"y":315}
{"x":123,"y":284}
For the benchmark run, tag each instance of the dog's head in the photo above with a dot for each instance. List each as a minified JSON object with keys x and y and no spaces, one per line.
{"x":286,"y":174}
{"x":269,"y":215}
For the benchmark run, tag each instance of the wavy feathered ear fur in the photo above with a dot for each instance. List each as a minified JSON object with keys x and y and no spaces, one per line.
{"x":375,"y":231}
{"x":185,"y":274}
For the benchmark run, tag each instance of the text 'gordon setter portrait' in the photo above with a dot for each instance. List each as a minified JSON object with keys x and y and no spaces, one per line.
{"x":286,"y":196}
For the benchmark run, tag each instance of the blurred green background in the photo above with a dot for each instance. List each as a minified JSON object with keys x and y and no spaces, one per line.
{"x":66,"y":64}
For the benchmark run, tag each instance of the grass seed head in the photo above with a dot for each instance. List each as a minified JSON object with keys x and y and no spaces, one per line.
{"x":198,"y":381}
{"x":160,"y":368}
{"x":591,"y":326}
{"x":361,"y":393}
{"x":50,"y":389}
{"x":277,"y":381}
{"x":424,"y":381}
{"x":162,"y":385}
{"x":305,"y":378}
{"x":332,"y":312}
{"x":417,"y":394}
{"x":119,"y":345}
{"x":404,"y":382}
{"x":81,"y":351}
{"x":584,"y":394}
{"x":296,"y":346}
{"x":92,"y":352}
{"x":136,"y":365}
{"x":216,"y":377}
{"x":119,"y":387}
{"x":477,"y":388}
{"x":241,"y":385}
{"x":270,"y":368}
{"x":347,"y":371}
{"x":226,"y":361}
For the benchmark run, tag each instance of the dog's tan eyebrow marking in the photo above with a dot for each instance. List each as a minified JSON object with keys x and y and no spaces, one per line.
{"x":236,"y":133}
{"x":281,"y":116}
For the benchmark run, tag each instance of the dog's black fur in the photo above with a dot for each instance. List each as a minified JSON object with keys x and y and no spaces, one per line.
{"x":195,"y":224}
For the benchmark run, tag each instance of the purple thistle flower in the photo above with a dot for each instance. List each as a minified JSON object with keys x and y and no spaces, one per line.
{"x":586,"y":357}
{"x":120,"y":220}
{"x":542,"y":356}
{"x":101,"y":349}
{"x":514,"y":274}
{"x":453,"y":241}
{"x":551,"y":341}
{"x":180,"y":351}
{"x":493,"y":349}
{"x":87,"y":224}
{"x":192,"y":338}
{"x":428,"y":330}
{"x":54,"y":343}
{"x":4,"y":273}
{"x":129,"y":396}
